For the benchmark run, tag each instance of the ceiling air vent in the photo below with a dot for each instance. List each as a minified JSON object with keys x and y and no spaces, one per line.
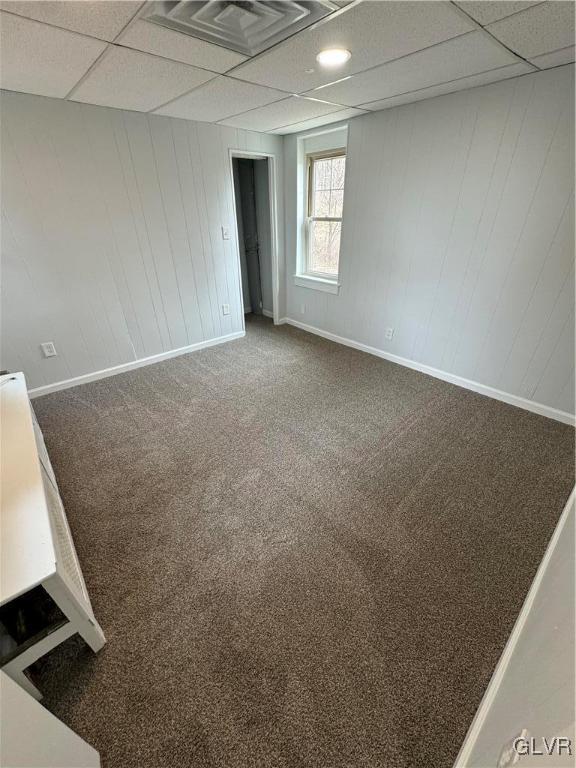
{"x":246,"y":27}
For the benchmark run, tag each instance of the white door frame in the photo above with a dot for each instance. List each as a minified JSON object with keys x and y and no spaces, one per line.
{"x":250,"y":155}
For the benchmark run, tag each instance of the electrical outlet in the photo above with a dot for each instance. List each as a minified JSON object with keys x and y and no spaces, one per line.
{"x":302,"y":309}
{"x":48,"y":349}
{"x":225,"y":309}
{"x":389,"y":334}
{"x":225,"y":233}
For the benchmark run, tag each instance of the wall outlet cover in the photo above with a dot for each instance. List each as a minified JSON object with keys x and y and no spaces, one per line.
{"x":225,"y":309}
{"x":225,"y":233}
{"x":389,"y":334}
{"x":48,"y":349}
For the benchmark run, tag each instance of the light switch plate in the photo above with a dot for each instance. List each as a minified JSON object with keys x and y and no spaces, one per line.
{"x":225,"y":233}
{"x":225,"y":309}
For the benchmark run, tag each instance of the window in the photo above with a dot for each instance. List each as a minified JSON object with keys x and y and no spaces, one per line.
{"x":324,"y":213}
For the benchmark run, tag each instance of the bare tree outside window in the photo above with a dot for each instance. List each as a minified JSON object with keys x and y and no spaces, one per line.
{"x":325,"y":201}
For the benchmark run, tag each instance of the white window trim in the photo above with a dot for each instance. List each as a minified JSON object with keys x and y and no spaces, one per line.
{"x":328,"y":285}
{"x":303,"y":278}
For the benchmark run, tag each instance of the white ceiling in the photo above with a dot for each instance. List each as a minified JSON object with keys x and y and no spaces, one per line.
{"x":103,"y":52}
{"x":460,"y":57}
{"x":294,"y":109}
{"x":220,"y":98}
{"x":129,"y":79}
{"x":103,"y":20}
{"x":144,"y":36}
{"x":544,"y":28}
{"x":374,"y":31}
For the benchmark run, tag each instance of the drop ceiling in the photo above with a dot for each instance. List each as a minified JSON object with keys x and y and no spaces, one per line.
{"x":133,"y":55}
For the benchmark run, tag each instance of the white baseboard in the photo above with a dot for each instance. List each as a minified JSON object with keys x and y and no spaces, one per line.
{"x":462,"y":761}
{"x":482,"y":389}
{"x":105,"y":372}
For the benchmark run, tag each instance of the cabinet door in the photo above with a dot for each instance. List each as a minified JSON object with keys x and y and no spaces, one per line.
{"x":41,"y":446}
{"x":67,"y":563}
{"x":31,"y":737}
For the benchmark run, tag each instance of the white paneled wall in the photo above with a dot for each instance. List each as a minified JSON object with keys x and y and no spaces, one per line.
{"x":111,"y":235}
{"x":458,"y":233}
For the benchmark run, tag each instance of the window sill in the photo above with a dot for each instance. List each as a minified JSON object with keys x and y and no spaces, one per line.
{"x":317,"y":283}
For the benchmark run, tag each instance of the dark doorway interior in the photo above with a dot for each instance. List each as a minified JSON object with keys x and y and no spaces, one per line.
{"x":251,"y":190}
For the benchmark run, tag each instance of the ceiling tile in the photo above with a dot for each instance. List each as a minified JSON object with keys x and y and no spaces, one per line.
{"x":220,"y":98}
{"x":292,"y":110}
{"x":463,"y":56}
{"x":318,"y":122}
{"x":128,"y":79}
{"x":546,"y":27}
{"x":152,"y":38}
{"x":495,"y":75}
{"x":374,"y":32}
{"x":556,"y":58}
{"x":487,"y":11}
{"x":36,"y":58}
{"x":90,"y":17}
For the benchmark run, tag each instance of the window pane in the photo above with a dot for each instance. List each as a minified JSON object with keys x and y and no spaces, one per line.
{"x":324,"y":246}
{"x":328,"y":186}
{"x":338,"y":168}
{"x":322,"y":174}
{"x":336,"y":200}
{"x":322,"y":202}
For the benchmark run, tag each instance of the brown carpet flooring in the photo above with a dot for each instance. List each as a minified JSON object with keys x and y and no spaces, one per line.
{"x":301,"y":555}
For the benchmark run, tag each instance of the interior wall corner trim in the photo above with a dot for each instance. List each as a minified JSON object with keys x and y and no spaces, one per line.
{"x":141,"y":362}
{"x":459,"y":381}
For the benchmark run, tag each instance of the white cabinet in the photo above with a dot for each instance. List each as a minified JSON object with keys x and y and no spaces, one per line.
{"x":31,"y":737}
{"x":38,"y":558}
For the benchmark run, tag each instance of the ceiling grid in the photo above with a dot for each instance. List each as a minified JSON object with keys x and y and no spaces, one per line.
{"x":255,"y":66}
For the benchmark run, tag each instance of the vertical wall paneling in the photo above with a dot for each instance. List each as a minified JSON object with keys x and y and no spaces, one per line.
{"x":111,"y":235}
{"x":458,"y":233}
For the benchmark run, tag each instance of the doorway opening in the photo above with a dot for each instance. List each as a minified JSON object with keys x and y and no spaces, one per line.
{"x":255,"y":233}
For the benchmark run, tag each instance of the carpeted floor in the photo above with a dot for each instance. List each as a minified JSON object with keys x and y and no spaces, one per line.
{"x":301,"y":555}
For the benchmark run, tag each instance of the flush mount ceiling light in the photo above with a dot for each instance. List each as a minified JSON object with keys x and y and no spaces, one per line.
{"x":333,"y":57}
